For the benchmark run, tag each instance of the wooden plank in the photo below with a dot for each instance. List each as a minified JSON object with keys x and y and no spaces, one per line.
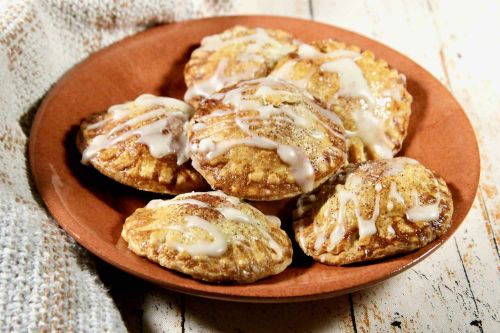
{"x":480,"y":264}
{"x":163,"y":311}
{"x":297,"y":8}
{"x":404,"y":26}
{"x":470,"y":61}
{"x":474,"y":79}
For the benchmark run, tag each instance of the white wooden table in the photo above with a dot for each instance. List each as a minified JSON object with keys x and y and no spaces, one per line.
{"x":455,"y":289}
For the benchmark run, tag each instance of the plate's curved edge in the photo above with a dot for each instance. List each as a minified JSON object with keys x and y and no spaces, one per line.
{"x":97,"y":250}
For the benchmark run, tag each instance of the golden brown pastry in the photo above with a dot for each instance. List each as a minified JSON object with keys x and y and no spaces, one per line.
{"x":264,"y":140}
{"x":369,"y":97}
{"x":210,"y":236}
{"x":373,"y":210}
{"x":236,"y":54}
{"x":142,"y":144}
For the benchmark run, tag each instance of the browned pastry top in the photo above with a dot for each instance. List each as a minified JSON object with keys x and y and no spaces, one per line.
{"x":236,"y":54}
{"x":369,"y":97}
{"x":142,"y":144}
{"x":264,"y":140}
{"x":373,"y":210}
{"x":210,"y":236}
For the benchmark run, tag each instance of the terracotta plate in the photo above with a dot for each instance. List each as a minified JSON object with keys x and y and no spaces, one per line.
{"x":92,"y":208}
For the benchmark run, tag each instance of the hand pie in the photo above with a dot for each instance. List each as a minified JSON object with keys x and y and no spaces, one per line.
{"x":210,"y":236}
{"x":239,"y":53}
{"x":369,"y":97}
{"x":264,"y":140}
{"x":377,"y":209}
{"x":142,"y":144}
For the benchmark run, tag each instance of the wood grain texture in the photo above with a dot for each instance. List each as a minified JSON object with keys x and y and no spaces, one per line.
{"x":163,"y":312}
{"x":456,"y":289}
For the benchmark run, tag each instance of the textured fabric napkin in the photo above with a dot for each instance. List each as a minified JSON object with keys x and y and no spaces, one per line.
{"x":47,"y":281}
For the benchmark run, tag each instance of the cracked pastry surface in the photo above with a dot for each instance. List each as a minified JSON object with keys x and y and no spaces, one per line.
{"x":239,"y":53}
{"x":210,"y":236}
{"x":264,"y":140}
{"x":142,"y":144}
{"x":373,"y":210}
{"x":369,"y":97}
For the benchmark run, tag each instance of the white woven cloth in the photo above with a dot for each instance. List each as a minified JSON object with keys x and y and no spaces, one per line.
{"x":47,"y":281}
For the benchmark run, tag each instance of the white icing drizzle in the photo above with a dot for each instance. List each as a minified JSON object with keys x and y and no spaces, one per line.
{"x":321,"y":233}
{"x":423,"y":213}
{"x":219,"y":243}
{"x":98,"y":124}
{"x":302,"y":238}
{"x":215,"y":248}
{"x":303,"y":205}
{"x":298,"y":161}
{"x":151,"y":134}
{"x":390,"y":230}
{"x":335,"y":237}
{"x":301,"y":168}
{"x":274,"y":219}
{"x":366,"y":227}
{"x":149,"y":100}
{"x":306,"y":51}
{"x":198,"y":126}
{"x":117,"y":112}
{"x":369,"y":128}
{"x":216,"y":82}
{"x":255,"y":43}
{"x":355,"y":181}
{"x":352,"y":80}
{"x":397,"y":166}
{"x":285,"y":72}
{"x":394,"y":93}
{"x":317,"y":135}
{"x":214,"y":114}
{"x":247,"y":57}
{"x":417,"y":212}
{"x":394,"y":168}
{"x":237,"y":215}
{"x":327,"y":114}
{"x":395,"y":195}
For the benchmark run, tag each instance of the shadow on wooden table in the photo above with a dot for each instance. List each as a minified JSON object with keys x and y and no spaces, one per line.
{"x":219,"y":316}
{"x":147,"y":308}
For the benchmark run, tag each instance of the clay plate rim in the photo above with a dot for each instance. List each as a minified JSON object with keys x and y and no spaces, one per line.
{"x":50,"y":180}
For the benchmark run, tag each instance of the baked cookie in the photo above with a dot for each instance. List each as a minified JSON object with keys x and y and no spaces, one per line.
{"x":142,"y":144}
{"x":210,"y":236}
{"x":264,"y":140}
{"x":373,"y":210}
{"x":239,"y":53}
{"x":369,"y":97}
